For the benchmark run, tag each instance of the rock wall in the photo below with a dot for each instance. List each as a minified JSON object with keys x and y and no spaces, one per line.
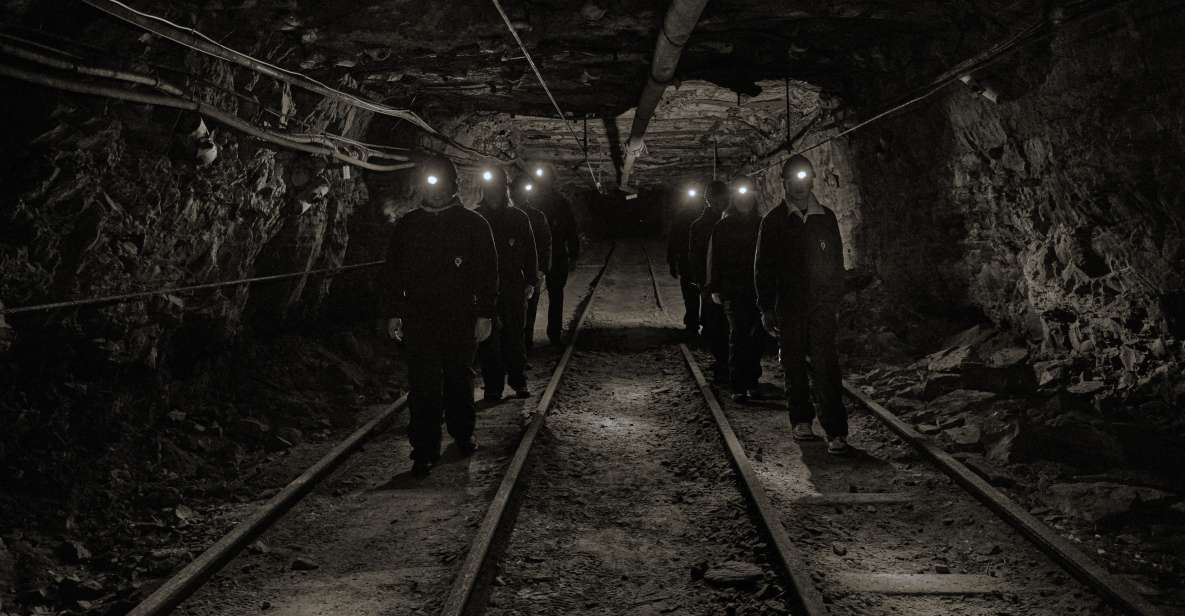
{"x":1058,"y":214}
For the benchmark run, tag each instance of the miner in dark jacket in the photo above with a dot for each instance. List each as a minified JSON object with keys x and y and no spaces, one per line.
{"x":441,"y":280}
{"x":730,"y":284}
{"x":523,"y":194}
{"x":678,"y":243}
{"x":715,"y":326}
{"x":799,"y":276}
{"x":565,"y":246}
{"x":504,"y":355}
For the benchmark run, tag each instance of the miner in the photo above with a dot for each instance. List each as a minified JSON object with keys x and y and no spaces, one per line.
{"x":715,"y":327}
{"x":799,"y":276}
{"x":504,"y":355}
{"x":523,"y":195}
{"x":441,"y":282}
{"x":678,"y":240}
{"x":565,"y":245}
{"x":730,"y":284}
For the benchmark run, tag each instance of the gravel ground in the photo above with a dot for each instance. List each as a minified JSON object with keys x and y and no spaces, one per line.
{"x":372,"y":539}
{"x":631,"y":506}
{"x":938,"y":530}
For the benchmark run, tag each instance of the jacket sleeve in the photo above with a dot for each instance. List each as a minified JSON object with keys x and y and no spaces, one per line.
{"x":697,"y":253}
{"x":675,"y":248}
{"x":765,"y":263}
{"x":543,"y":241}
{"x":712,"y":266}
{"x":531,"y":252}
{"x":571,"y":234}
{"x":835,"y":290}
{"x":485,"y":254}
{"x":394,"y":275}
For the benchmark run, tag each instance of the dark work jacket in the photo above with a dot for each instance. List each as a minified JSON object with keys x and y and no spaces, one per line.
{"x":679,"y":240}
{"x":518,"y":265}
{"x":731,"y":254}
{"x":565,"y":239}
{"x":542,"y":230}
{"x":441,"y":273}
{"x":799,"y":265}
{"x":698,"y":239}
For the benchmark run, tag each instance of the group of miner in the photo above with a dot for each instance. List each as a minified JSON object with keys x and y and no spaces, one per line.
{"x":750,"y":281}
{"x":464,"y":284}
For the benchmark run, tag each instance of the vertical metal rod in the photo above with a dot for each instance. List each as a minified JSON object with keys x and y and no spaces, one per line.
{"x":787,"y":112}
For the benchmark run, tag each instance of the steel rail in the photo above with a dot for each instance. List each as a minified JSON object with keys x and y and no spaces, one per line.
{"x":790,"y":558}
{"x":462,"y":590}
{"x":1113,"y":589}
{"x":189,"y":579}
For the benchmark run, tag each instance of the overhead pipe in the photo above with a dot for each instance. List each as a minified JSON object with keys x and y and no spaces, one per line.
{"x":676,"y":30}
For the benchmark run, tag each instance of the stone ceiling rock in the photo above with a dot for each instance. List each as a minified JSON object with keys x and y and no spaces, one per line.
{"x":595,"y":54}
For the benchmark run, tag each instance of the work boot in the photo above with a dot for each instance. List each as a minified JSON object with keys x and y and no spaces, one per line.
{"x":754,"y":393}
{"x":740,"y":397}
{"x":803,"y":432}
{"x":522,"y":392}
{"x":421,"y":468}
{"x":491,"y":398}
{"x":467,"y":446}
{"x":838,"y":446}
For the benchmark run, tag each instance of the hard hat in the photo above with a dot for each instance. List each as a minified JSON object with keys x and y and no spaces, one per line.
{"x":439,"y":173}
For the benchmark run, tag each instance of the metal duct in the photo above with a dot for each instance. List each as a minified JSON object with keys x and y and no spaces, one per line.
{"x":676,"y":30}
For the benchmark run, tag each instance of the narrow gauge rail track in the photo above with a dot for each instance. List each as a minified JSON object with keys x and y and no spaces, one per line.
{"x":187,"y":581}
{"x":628,"y":508}
{"x":811,"y":574}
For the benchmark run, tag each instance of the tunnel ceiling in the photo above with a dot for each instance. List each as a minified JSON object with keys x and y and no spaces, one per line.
{"x":595,"y":56}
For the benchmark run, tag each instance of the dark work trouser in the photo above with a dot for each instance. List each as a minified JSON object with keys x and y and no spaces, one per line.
{"x":441,"y":379}
{"x":715,"y":333}
{"x":745,"y":342}
{"x":556,"y":280}
{"x":691,"y":297}
{"x":529,"y":323}
{"x":504,"y":354}
{"x":813,"y":334}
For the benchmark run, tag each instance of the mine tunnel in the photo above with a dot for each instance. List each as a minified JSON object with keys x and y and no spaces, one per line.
{"x":635,"y":307}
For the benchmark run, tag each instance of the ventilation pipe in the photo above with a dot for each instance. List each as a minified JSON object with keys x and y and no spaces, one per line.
{"x":676,"y":30}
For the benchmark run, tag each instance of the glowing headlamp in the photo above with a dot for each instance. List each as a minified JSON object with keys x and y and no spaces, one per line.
{"x":529,"y":187}
{"x":539,"y":172}
{"x":801,"y":175}
{"x":432,"y":179}
{"x":744,"y":190}
{"x":487,"y":175}
{"x":691,"y":192}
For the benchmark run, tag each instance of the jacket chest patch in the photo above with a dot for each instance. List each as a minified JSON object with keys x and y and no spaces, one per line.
{"x":512,"y":242}
{"x":458,"y":261}
{"x":823,"y":245}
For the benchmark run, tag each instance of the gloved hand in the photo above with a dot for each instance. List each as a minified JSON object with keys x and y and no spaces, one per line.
{"x":769,"y":320}
{"x":395,"y":328}
{"x":542,"y":281}
{"x":716,"y":299}
{"x":530,"y":292}
{"x":483,"y":329}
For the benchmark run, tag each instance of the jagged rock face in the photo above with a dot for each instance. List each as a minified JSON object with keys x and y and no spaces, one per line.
{"x":111,"y":200}
{"x":1058,"y":213}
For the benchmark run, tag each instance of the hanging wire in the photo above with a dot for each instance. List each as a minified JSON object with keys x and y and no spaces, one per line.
{"x":993,"y":54}
{"x":197,"y":41}
{"x":126,"y":297}
{"x":539,"y":76}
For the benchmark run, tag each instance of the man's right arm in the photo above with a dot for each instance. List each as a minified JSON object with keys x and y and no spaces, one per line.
{"x":765,"y":264}
{"x":394,"y":283}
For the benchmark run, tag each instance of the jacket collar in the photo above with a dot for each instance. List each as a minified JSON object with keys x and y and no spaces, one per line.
{"x":813,"y":208}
